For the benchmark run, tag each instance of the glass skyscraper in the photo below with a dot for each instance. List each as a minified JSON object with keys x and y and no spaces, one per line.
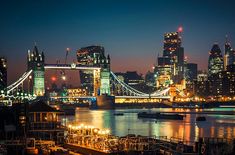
{"x":215,"y":61}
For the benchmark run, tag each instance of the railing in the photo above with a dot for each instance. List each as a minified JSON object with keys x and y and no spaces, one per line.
{"x":46,"y":126}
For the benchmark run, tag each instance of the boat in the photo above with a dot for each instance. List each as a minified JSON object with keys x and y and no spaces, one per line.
{"x":160,"y":116}
{"x":201,"y":118}
{"x":118,"y":114}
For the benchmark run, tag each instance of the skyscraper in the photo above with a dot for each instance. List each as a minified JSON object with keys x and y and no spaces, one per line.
{"x":215,"y":61}
{"x":170,"y":66}
{"x":3,"y":73}
{"x":174,"y":51}
{"x":229,"y":54}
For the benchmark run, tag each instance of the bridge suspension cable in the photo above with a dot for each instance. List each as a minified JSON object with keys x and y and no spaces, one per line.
{"x":19,"y":81}
{"x":127,"y":87}
{"x":136,"y":92}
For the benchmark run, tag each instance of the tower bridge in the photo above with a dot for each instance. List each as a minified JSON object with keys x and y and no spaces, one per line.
{"x":103,"y":78}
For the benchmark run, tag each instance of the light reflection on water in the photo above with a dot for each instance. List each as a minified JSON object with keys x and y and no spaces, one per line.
{"x":189,"y":129}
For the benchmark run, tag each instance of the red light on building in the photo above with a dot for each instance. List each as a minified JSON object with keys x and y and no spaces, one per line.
{"x":53,"y":78}
{"x":180,"y":29}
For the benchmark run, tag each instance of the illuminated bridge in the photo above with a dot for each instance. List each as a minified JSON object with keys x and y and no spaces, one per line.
{"x":103,"y":79}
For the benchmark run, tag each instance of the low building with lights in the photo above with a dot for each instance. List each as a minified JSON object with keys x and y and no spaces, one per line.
{"x":44,"y":123}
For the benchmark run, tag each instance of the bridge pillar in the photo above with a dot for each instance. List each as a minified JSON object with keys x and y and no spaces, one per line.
{"x":105,"y":76}
{"x":96,"y":76}
{"x":36,"y":63}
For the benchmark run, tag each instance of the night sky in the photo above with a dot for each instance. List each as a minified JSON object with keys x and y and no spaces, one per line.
{"x":130,"y":30}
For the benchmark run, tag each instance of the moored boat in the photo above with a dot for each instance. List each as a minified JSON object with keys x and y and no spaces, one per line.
{"x":160,"y":116}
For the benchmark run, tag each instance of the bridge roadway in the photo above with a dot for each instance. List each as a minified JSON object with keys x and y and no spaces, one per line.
{"x":69,"y":67}
{"x":116,"y":97}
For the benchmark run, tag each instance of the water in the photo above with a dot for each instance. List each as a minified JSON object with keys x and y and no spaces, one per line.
{"x":222,"y":126}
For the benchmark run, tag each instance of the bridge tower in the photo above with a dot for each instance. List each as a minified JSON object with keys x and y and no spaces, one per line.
{"x":36,"y":63}
{"x":104,"y":75}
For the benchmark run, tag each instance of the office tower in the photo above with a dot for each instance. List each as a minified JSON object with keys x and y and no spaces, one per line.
{"x":170,"y":66}
{"x":3,"y":73}
{"x":215,"y":61}
{"x":174,"y":51}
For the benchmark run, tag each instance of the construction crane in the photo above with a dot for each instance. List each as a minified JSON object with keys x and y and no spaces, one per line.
{"x":65,"y":62}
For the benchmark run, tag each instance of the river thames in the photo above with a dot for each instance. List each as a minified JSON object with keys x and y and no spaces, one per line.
{"x":222,"y":126}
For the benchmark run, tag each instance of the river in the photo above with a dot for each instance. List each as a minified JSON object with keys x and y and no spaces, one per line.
{"x":222,"y":126}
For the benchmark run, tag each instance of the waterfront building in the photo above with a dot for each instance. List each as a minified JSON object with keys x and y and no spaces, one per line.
{"x":215,"y":61}
{"x":44,"y":123}
{"x":3,"y":73}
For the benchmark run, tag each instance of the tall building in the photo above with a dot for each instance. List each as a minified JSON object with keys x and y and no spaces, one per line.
{"x":229,"y":54}
{"x":227,"y":50}
{"x":91,"y":56}
{"x":170,"y":67}
{"x":215,"y":61}
{"x":3,"y":73}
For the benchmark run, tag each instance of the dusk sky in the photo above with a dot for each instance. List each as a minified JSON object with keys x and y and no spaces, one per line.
{"x":130,"y":30}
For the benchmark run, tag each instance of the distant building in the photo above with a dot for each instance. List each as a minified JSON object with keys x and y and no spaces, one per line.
{"x":133,"y":78}
{"x":170,"y":66}
{"x":3,"y":73}
{"x":201,"y":85}
{"x":223,"y":83}
{"x":163,"y":72}
{"x":93,"y":56}
{"x":191,"y":72}
{"x":229,"y":54}
{"x":174,"y":51}
{"x":215,"y":61}
{"x":150,"y":79}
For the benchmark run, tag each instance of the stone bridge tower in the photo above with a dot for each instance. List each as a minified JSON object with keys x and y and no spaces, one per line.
{"x":36,"y":63}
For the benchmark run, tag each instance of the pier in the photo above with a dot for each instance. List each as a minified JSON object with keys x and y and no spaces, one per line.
{"x":90,"y":140}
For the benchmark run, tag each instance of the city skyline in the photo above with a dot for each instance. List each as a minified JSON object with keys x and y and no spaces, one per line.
{"x":132,"y":33}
